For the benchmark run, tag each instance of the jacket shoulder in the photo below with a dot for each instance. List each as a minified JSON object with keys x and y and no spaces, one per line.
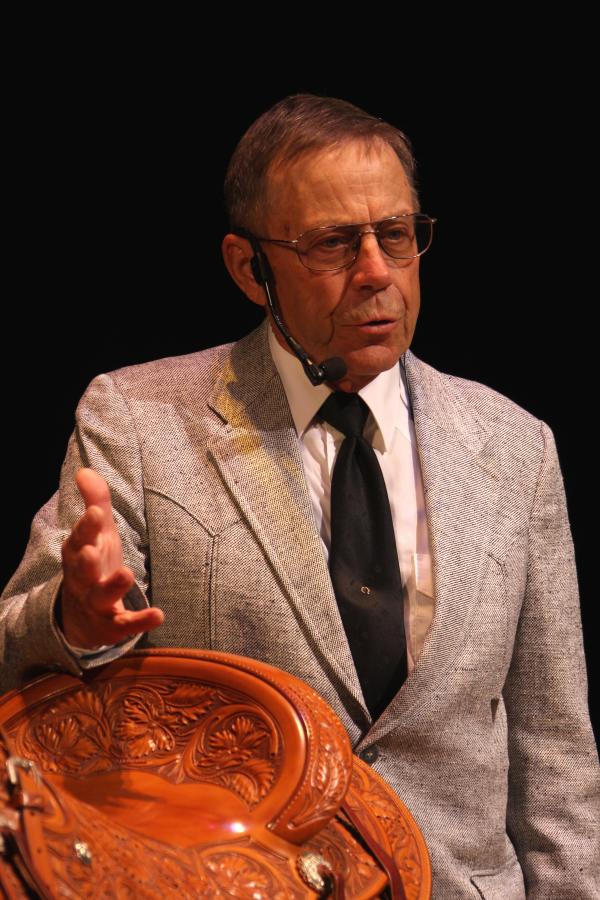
{"x":479,"y":416}
{"x":173,"y":373}
{"x":488,"y":405}
{"x":161,"y":381}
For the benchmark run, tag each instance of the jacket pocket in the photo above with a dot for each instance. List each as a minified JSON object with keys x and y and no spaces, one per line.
{"x":505,"y":883}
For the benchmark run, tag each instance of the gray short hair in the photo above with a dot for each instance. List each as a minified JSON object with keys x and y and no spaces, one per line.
{"x":300,"y":124}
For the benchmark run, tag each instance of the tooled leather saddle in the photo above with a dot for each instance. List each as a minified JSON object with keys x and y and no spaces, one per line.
{"x":194,"y":774}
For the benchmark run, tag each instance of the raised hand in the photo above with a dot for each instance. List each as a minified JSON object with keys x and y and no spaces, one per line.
{"x":94,"y":577}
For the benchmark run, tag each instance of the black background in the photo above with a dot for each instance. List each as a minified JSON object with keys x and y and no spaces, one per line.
{"x":118,"y":152}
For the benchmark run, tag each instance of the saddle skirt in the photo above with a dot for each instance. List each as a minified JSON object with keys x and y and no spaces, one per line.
{"x":194,"y":774}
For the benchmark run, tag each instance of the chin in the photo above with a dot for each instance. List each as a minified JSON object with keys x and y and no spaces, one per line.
{"x":364,"y":368}
{"x":371,"y":361}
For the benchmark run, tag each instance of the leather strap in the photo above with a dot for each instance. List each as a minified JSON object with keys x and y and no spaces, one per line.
{"x":20,"y":821}
{"x":382,"y":856}
{"x":335,"y":885}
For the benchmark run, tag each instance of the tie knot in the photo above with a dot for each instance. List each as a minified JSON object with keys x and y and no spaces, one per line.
{"x":346,"y":412}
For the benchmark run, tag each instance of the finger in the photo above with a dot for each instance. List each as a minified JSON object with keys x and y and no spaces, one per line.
{"x":94,"y":489}
{"x":81,"y":569}
{"x":121,"y":627}
{"x":85,"y":594}
{"x":87,"y":529}
{"x":139,"y":621}
{"x":86,"y":566}
{"x":106,"y":593}
{"x":87,"y":613}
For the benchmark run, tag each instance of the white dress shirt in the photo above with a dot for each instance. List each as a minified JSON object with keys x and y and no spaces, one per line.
{"x":391,"y":432}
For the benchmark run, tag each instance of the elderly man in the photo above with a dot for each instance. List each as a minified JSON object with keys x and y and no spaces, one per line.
{"x":318,"y":497}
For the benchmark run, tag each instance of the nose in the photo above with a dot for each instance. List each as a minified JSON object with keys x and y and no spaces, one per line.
{"x":370,"y":269}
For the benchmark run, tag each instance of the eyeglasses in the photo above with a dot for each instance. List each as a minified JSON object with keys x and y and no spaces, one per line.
{"x":337,"y":246}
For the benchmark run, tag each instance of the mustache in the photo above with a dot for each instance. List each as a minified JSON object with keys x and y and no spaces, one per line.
{"x":374,"y":310}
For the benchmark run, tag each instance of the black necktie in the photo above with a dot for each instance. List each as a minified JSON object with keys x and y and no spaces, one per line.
{"x":363,"y":559}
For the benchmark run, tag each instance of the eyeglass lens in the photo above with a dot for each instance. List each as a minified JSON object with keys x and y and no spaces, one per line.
{"x":400,"y":238}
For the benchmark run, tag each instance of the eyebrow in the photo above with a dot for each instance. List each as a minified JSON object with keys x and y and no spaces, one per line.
{"x":330,"y":224}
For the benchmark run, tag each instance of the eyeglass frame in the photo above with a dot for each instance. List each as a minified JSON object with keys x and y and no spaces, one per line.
{"x":293,"y":245}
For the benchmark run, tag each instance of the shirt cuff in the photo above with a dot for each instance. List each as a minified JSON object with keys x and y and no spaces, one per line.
{"x":82,"y":652}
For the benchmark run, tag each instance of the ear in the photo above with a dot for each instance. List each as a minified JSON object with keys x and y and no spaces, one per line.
{"x":237,"y":253}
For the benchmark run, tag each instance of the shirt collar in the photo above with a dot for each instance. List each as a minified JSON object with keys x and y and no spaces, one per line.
{"x":388,"y":404}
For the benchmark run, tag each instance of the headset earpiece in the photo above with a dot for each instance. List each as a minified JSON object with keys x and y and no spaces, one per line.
{"x":261,"y":268}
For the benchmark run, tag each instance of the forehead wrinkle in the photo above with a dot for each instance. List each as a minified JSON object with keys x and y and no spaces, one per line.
{"x":370,"y":187}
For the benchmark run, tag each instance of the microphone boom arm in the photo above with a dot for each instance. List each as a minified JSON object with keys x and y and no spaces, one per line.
{"x":330,"y":369}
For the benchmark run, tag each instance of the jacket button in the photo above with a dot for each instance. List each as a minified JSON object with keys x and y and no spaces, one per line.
{"x":370,"y":754}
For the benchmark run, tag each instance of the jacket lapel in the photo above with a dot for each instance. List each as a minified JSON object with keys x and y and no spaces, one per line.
{"x":258,"y":457}
{"x":460,"y":487}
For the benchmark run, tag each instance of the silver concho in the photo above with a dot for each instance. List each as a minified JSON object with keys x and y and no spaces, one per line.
{"x":83,"y":852}
{"x":308,"y":867}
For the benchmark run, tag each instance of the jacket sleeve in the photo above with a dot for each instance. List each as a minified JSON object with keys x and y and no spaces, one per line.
{"x":554,"y":791}
{"x":104,"y":440}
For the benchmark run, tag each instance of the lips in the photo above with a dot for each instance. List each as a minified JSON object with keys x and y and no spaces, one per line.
{"x":374,"y":320}
{"x":376,"y":326}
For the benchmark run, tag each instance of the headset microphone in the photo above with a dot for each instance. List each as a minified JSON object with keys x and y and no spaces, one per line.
{"x":330,"y":369}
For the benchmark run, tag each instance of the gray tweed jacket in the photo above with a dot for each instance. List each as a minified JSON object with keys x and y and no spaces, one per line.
{"x":488,"y":742}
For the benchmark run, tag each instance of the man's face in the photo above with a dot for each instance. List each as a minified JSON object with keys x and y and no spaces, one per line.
{"x":367,"y":312}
